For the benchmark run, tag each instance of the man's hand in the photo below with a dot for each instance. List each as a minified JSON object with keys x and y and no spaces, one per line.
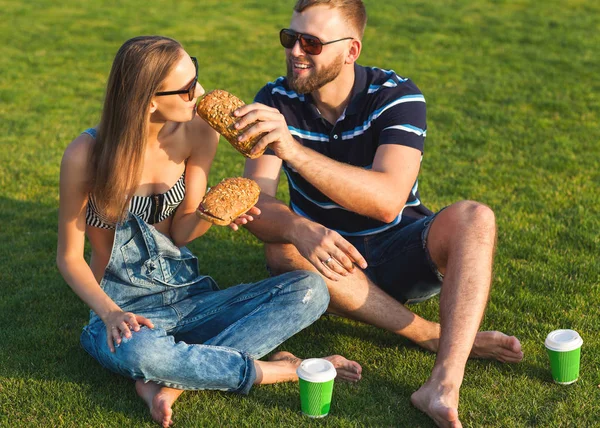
{"x":271,"y":122}
{"x":120,"y":324}
{"x":328,"y":251}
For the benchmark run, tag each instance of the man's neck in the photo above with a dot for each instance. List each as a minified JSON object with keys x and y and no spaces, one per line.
{"x":333,"y":98}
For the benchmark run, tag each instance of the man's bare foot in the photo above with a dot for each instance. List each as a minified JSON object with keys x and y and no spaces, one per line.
{"x":346,"y":369}
{"x":494,"y":345}
{"x":159,"y":399}
{"x":439,"y":402}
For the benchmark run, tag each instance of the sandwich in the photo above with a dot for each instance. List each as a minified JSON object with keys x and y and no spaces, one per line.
{"x":228,"y":200}
{"x":217,"y":108}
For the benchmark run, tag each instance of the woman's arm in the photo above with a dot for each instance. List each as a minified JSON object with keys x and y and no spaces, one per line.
{"x":71,"y":239}
{"x":203,"y":140}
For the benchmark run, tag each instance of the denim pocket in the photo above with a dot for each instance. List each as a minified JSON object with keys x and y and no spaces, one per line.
{"x":136,"y":262}
{"x":171,"y":266}
{"x":177,"y":271}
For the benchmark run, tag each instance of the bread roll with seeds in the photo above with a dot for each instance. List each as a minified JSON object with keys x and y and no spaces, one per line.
{"x":217,"y":108}
{"x":228,"y":200}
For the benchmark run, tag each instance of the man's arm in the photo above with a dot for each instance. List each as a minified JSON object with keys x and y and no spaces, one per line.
{"x":278,"y":224}
{"x":276,"y":219}
{"x":379,"y":193}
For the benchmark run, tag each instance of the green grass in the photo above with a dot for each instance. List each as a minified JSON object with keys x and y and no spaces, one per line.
{"x":513,"y":107}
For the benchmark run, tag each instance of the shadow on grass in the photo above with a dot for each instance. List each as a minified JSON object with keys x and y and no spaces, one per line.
{"x":376,"y":400}
{"x":42,"y":318}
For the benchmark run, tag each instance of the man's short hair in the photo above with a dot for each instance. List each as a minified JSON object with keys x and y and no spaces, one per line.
{"x":352,"y":10}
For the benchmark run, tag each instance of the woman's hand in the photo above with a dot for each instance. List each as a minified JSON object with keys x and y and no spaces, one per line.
{"x":119,"y":324}
{"x":244,"y":218}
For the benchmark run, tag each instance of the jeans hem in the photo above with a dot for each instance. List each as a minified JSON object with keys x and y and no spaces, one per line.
{"x":249,"y":376}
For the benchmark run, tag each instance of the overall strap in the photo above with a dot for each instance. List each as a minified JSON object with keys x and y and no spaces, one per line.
{"x":157,"y":243}
{"x":147,"y":234}
{"x":91,"y":132}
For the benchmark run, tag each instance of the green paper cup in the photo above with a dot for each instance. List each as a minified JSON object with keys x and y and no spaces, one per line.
{"x":564,"y":351}
{"x":316,"y":377}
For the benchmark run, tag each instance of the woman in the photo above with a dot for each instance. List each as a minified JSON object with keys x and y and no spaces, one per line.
{"x":132,"y":186}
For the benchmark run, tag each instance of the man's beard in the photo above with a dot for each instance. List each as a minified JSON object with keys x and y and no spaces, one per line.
{"x":314,"y":81}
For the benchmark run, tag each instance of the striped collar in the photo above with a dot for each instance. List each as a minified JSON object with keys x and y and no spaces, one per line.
{"x":357,"y":95}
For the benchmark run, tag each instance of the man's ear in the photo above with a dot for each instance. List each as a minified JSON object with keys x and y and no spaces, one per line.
{"x":354,"y":52}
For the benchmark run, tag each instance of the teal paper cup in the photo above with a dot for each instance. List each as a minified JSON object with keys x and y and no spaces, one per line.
{"x":316,"y":376}
{"x":564,"y":351}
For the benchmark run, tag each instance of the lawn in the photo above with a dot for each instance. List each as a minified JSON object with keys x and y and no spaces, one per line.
{"x":513,"y":100}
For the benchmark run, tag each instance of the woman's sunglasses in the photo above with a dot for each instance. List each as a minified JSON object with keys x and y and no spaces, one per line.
{"x":309,"y":44}
{"x":190,"y":90}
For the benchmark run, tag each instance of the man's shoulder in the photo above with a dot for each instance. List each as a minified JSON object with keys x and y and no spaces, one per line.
{"x":280,"y":82}
{"x":278,"y":92}
{"x":386,"y":84}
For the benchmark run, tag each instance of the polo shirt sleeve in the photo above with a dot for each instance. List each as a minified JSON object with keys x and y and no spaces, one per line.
{"x":264,"y":96}
{"x":403,"y":122}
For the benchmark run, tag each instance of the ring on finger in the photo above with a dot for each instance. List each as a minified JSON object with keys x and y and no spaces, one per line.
{"x":328,"y":260}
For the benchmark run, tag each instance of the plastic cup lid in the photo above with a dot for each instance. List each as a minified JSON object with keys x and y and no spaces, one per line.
{"x":563,"y":340}
{"x":316,"y":370}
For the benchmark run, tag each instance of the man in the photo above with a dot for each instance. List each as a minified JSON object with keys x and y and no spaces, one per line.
{"x":350,"y":140}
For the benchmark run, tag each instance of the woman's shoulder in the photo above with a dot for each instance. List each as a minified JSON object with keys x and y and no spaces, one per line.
{"x":200,"y":135}
{"x":197,"y":126}
{"x":77,"y":153}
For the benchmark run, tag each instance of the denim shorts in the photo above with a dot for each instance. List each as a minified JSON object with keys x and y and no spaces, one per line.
{"x":399,"y":261}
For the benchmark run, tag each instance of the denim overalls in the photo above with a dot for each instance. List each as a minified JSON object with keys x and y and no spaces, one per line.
{"x":204,"y":338}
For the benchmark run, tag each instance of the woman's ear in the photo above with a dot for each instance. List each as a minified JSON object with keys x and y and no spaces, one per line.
{"x":153,"y":106}
{"x":354,"y":52}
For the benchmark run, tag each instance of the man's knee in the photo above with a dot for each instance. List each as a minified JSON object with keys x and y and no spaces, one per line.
{"x":464,"y":221}
{"x":481,"y":218}
{"x":476,"y":217}
{"x":282,"y":258}
{"x":272,"y":257}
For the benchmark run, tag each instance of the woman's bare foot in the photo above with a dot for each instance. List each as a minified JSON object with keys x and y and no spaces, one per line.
{"x":439,"y":402}
{"x":159,"y":399}
{"x":494,"y":345}
{"x":286,"y":356}
{"x":346,"y":369}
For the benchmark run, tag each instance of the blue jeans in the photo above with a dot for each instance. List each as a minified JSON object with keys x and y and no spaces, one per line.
{"x":204,"y":338}
{"x":399,"y":261}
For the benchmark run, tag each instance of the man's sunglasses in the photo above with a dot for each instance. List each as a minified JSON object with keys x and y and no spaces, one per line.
{"x":190,"y":90}
{"x":309,"y":44}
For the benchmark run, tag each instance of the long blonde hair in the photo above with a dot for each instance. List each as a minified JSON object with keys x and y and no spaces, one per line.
{"x":138,"y":70}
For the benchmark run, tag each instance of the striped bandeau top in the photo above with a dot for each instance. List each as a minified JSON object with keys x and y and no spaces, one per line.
{"x":152,"y":209}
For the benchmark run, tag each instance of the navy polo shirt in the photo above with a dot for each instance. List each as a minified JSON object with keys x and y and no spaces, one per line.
{"x":384,"y":108}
